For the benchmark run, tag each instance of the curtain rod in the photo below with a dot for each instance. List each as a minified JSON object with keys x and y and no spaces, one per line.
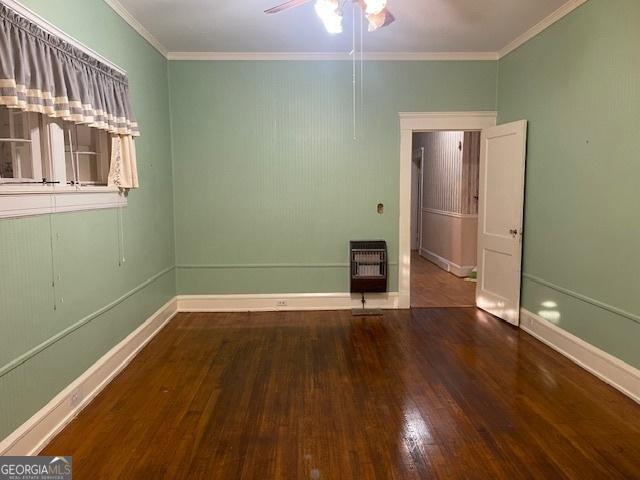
{"x":53,"y":30}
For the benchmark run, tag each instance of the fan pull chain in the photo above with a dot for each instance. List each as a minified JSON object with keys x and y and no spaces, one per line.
{"x":121,"y":245}
{"x":52,"y":253}
{"x":362,"y":69}
{"x":52,"y":233}
{"x":353,"y":58}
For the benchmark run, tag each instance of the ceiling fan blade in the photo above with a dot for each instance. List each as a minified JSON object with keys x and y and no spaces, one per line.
{"x":390,"y":18}
{"x":286,"y":6}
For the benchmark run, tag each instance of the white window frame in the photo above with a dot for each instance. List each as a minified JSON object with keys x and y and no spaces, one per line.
{"x":48,"y":159}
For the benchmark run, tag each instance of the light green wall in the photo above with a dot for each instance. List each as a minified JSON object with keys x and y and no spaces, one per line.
{"x":42,"y":350}
{"x":578,"y":84}
{"x":270,"y":185}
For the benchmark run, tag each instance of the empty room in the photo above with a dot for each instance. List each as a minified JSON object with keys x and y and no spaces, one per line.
{"x":319,"y":239}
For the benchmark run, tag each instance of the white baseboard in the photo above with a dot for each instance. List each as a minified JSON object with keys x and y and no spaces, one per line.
{"x":35,"y":433}
{"x":448,"y":265}
{"x":284,"y":302}
{"x":606,"y":367}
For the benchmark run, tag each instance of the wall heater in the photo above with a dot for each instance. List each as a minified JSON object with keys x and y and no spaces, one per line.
{"x":368,"y":270}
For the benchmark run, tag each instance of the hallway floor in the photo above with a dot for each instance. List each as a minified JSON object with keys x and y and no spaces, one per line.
{"x":431,"y":286}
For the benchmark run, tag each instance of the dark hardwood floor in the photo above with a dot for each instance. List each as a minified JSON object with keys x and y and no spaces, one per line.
{"x":438,"y":393}
{"x":431,"y":286}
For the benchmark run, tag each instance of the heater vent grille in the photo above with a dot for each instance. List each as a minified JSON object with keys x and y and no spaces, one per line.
{"x":368,"y":266}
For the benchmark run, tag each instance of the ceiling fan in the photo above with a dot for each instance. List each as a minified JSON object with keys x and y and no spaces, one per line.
{"x":330,"y":12}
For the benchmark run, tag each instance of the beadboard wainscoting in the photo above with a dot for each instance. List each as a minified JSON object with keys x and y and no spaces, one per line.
{"x":450,"y":240}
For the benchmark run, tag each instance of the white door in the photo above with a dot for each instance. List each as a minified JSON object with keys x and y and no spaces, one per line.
{"x":500,"y":211}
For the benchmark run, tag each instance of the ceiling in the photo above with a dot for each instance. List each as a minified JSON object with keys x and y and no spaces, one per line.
{"x":421,"y":25}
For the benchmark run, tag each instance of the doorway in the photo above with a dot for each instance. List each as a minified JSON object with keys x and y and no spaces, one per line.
{"x":444,"y":218}
{"x":411,"y":123}
{"x":500,"y":207}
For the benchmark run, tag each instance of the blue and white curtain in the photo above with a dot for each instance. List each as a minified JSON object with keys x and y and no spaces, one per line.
{"x":42,"y":73}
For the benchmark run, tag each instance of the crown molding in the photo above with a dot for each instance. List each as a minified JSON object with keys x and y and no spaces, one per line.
{"x":325,"y":56}
{"x":545,"y":23}
{"x":561,"y":12}
{"x":137,"y":26}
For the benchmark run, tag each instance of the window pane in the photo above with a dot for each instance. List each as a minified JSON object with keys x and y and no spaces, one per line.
{"x":70,"y":168}
{"x":87,"y":154}
{"x":88,"y":168}
{"x":87,"y":139}
{"x":13,"y":124}
{"x":6,"y":161}
{"x":4,"y":123}
{"x":15,"y":161}
{"x":20,"y":124}
{"x":23,"y":158}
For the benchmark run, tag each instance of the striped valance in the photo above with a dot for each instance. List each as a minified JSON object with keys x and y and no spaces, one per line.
{"x":42,"y":73}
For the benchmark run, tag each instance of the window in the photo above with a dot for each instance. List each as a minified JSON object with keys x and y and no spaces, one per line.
{"x":41,"y":157}
{"x":39,"y":150}
{"x":87,"y":154}
{"x":20,"y":150}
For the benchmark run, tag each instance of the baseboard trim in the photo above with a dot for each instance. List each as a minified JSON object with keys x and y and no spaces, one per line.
{"x":32,"y":436}
{"x":448,"y":265}
{"x":284,"y":302}
{"x":606,"y":367}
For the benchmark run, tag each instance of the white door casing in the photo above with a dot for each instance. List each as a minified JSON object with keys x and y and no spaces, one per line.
{"x":417,"y":198}
{"x":500,"y":217}
{"x":421,"y":199}
{"x":411,"y":122}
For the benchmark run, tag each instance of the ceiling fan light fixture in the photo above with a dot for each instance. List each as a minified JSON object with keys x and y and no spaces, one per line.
{"x":330,"y":14}
{"x":379,"y":20}
{"x":374,"y":7}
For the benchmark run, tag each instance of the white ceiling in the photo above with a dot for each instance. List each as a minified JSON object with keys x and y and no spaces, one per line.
{"x":421,"y":25}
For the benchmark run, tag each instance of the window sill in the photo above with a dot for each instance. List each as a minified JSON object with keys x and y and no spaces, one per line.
{"x":23,"y":201}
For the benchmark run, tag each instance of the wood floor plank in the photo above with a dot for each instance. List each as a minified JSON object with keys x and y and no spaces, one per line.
{"x":432,"y":393}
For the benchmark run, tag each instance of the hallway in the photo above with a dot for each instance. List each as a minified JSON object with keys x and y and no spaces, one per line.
{"x":432,"y":287}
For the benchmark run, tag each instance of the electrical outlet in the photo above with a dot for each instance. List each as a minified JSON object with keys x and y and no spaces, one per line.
{"x":75,"y":398}
{"x":281,"y":303}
